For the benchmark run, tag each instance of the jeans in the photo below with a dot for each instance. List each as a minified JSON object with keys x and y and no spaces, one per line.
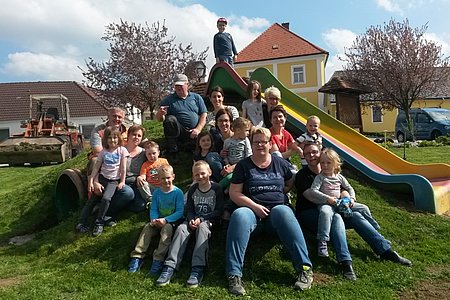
{"x":368,"y":233}
{"x":148,"y":232}
{"x":215,"y":162}
{"x":174,"y":132}
{"x":326,"y":213}
{"x":228,"y":59}
{"x":281,"y":220}
{"x":308,"y":218}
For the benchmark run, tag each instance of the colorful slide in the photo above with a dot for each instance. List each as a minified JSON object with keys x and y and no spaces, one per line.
{"x":428,"y":184}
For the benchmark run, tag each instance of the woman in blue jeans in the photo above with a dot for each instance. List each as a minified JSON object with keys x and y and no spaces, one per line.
{"x":307,"y":214}
{"x":258,"y":188}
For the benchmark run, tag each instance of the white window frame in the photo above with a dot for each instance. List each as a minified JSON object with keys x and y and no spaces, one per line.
{"x":373,"y":112}
{"x":293,"y":73}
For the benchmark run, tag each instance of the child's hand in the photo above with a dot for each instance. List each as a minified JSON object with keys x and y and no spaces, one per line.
{"x":120,"y":185}
{"x":224,"y":153}
{"x":332,"y":200}
{"x":193,"y":224}
{"x":159,"y":222}
{"x":352,"y":202}
{"x":140,"y":181}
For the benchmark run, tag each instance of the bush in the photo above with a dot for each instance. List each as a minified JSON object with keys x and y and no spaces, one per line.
{"x":430,"y":144}
{"x":445,"y":139}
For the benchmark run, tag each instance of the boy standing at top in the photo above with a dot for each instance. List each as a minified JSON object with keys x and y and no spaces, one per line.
{"x":224,"y":48}
{"x":204,"y":207}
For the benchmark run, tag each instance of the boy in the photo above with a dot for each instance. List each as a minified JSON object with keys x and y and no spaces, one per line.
{"x":149,"y":170}
{"x":224,"y":48}
{"x":311,"y":135}
{"x":165,"y":213}
{"x":204,"y":207}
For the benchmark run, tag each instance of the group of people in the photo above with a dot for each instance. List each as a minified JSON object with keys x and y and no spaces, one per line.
{"x":241,"y":175}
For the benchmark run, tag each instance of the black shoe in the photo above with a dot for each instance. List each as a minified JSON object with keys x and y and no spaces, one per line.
{"x":347,"y":270}
{"x":395,"y":257}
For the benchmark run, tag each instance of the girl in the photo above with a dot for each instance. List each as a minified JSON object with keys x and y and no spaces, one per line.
{"x":252,"y":108}
{"x":110,"y":168}
{"x":327,"y":187}
{"x":204,"y":151}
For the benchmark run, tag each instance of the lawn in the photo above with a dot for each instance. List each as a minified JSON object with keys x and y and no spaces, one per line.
{"x":59,"y":264}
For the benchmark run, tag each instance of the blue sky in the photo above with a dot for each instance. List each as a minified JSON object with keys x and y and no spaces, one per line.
{"x":44,"y":40}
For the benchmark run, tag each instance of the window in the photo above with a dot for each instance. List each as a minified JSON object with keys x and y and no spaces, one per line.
{"x":4,"y":134}
{"x":377,"y":115}
{"x":86,"y":130}
{"x":298,"y":74}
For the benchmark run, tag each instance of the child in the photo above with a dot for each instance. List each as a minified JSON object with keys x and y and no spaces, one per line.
{"x":327,"y":187}
{"x":203,"y":151}
{"x":224,"y":48}
{"x":252,"y":108}
{"x":149,"y":170}
{"x":204,"y":208}
{"x":110,"y":168}
{"x":238,"y":147}
{"x":166,"y":212}
{"x":311,"y":135}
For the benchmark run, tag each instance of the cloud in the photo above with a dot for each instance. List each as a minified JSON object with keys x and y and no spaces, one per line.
{"x":389,"y":5}
{"x":337,"y":40}
{"x":442,"y":40}
{"x":65,"y":33}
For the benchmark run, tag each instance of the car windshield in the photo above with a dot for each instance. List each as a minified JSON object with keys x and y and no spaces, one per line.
{"x":443,"y":115}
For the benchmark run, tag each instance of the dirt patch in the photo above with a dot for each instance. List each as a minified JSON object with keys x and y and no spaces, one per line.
{"x":321,"y":278}
{"x":429,"y":289}
{"x":8,"y":282}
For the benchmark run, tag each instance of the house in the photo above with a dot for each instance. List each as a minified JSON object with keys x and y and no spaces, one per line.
{"x":297,"y":63}
{"x":344,"y":95}
{"x":84,"y":108}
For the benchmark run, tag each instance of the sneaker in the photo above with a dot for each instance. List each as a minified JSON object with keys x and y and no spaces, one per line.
{"x":322,"y":249}
{"x":305,"y":279}
{"x":81,"y":228}
{"x":110,"y":222}
{"x":195,"y":278}
{"x":395,"y":257}
{"x":235,"y":285}
{"x":165,"y":276}
{"x":347,"y":270}
{"x":135,"y":264}
{"x":156,"y":267}
{"x":98,"y":229}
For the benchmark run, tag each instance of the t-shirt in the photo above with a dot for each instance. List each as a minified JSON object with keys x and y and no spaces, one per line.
{"x":265,"y":186}
{"x":326,"y":186}
{"x":168,"y":205}
{"x":111,"y":162}
{"x":254,"y":111}
{"x":150,"y":169}
{"x":306,"y":137}
{"x":134,"y":165}
{"x":204,"y":205}
{"x":303,"y":181}
{"x":187,"y":111}
{"x":237,"y":150}
{"x":286,"y":139}
{"x":211,"y":116}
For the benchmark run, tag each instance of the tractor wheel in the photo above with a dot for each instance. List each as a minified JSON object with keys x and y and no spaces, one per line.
{"x":400,"y":137}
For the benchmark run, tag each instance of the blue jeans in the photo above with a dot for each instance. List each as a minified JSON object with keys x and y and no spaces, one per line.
{"x":126,"y":198}
{"x":228,"y":59}
{"x":326,"y":213}
{"x":215,"y":162}
{"x":308,"y":218}
{"x":368,"y":233}
{"x":281,"y":220}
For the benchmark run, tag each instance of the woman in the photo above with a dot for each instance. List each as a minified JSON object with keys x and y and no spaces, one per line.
{"x":129,"y":196}
{"x":282,"y":141}
{"x":222,"y":129}
{"x":258,"y":188}
{"x":273,"y":97}
{"x":216,"y":97}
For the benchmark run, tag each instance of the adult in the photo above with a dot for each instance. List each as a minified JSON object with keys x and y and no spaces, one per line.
{"x":115,"y":119}
{"x":183,"y":114}
{"x":222,"y":129}
{"x":258,"y":188}
{"x":130,"y":198}
{"x":307,"y":213}
{"x":272,"y":95}
{"x":216,"y":96}
{"x":282,"y":141}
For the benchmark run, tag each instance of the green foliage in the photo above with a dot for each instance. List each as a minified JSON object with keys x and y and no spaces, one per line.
{"x":445,"y":139}
{"x":429,"y":144}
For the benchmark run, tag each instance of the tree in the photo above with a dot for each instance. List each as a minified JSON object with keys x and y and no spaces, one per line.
{"x":398,"y":64}
{"x":143,"y":61}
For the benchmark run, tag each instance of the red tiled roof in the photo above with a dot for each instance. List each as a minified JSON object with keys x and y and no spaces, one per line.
{"x":15,"y":98}
{"x":277,"y":42}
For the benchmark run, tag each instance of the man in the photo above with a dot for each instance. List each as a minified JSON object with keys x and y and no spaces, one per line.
{"x":183,"y":114}
{"x":115,"y":118}
{"x":307,"y":212}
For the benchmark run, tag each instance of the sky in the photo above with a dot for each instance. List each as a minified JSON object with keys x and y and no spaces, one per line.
{"x":48,"y":40}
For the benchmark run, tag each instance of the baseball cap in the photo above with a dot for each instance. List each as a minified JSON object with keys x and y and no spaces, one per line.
{"x":222,"y":20}
{"x":181,"y":79}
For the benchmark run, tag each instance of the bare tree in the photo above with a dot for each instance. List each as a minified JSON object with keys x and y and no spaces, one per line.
{"x":143,"y":61}
{"x":398,"y":64}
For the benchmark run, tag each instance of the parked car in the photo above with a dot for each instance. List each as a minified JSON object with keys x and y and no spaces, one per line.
{"x":429,"y":123}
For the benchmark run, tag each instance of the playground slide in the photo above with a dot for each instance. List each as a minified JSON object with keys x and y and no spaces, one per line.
{"x":429,"y":184}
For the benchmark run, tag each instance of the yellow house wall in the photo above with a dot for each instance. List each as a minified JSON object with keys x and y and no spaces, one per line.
{"x":389,"y":117}
{"x":284,"y":74}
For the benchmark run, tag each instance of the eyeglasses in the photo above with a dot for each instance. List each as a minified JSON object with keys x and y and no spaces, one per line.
{"x":258,"y":143}
{"x":273,"y":98}
{"x":223,"y":121}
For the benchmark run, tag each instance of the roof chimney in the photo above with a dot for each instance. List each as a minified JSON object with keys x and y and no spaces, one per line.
{"x":285,"y":25}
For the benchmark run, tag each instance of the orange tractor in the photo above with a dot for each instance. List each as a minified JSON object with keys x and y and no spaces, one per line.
{"x":49,"y":135}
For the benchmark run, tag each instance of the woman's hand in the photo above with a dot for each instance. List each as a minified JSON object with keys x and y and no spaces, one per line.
{"x":98,"y":188}
{"x":223,"y":153}
{"x":120,"y":185}
{"x":140,"y":180}
{"x":261,"y":211}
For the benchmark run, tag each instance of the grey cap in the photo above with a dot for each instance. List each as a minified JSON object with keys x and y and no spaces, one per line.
{"x":181,"y":79}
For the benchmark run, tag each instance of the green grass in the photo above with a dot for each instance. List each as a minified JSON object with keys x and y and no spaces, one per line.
{"x":59,"y":264}
{"x":422,"y":155}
